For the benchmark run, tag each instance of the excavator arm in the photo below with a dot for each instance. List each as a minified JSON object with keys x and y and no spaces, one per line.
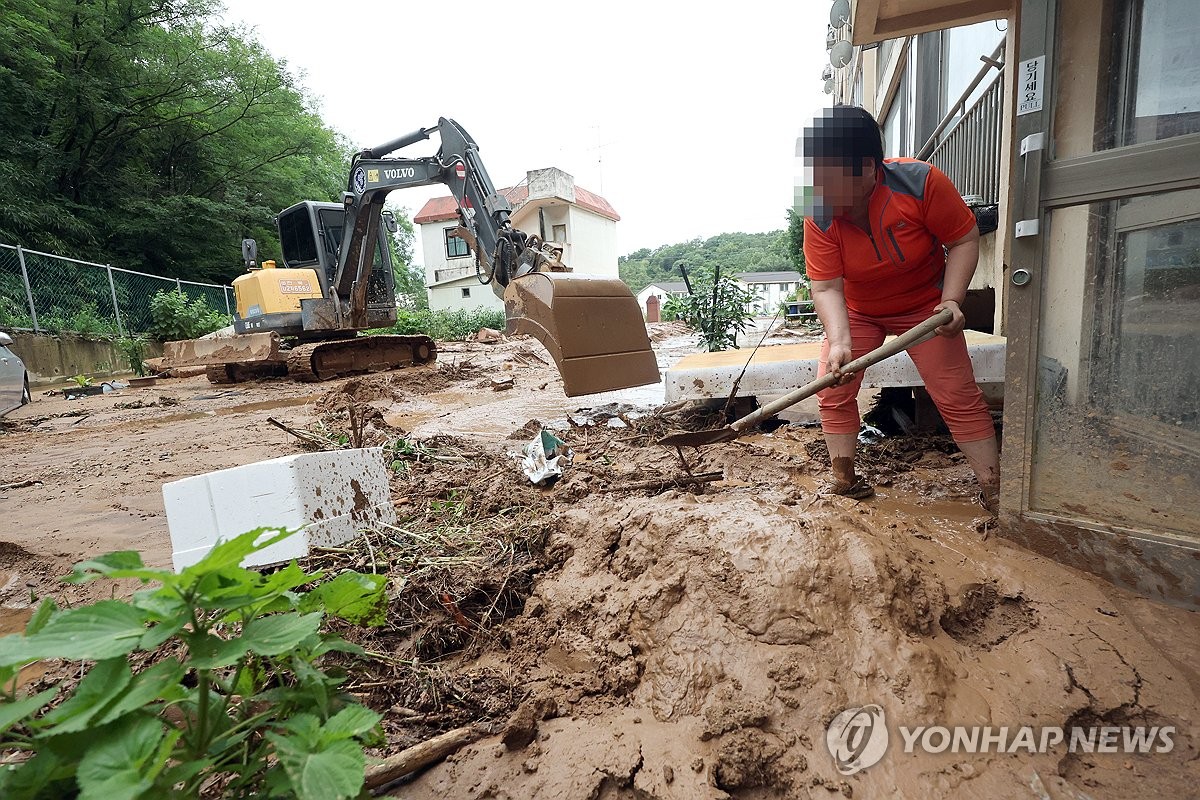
{"x":591,"y":325}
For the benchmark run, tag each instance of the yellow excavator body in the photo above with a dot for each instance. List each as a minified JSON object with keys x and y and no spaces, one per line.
{"x":272,"y":290}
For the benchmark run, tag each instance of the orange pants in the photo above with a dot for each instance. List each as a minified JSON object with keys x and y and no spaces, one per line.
{"x":942,"y":362}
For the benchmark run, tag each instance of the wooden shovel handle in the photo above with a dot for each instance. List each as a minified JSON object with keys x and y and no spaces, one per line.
{"x":909,"y":338}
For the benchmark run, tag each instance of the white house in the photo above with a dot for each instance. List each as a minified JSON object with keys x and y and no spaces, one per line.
{"x":548,"y":204}
{"x":662,"y":291}
{"x":771,"y":288}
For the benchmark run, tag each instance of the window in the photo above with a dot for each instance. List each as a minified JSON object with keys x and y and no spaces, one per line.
{"x":456,"y":246}
{"x":1161,"y":96}
{"x":783,"y":287}
{"x":466,"y":290}
{"x":961,"y":49}
{"x":296,"y":236}
{"x":559,"y":234}
{"x":895,"y":122}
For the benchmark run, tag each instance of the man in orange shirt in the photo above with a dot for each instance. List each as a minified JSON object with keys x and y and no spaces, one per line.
{"x":887,"y":243}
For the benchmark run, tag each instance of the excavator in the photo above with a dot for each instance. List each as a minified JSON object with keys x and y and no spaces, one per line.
{"x":305,"y":319}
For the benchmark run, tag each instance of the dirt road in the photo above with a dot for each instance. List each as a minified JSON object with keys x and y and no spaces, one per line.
{"x":649,"y":644}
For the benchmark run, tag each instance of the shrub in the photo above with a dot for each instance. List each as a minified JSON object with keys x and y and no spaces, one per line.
{"x":86,"y":321}
{"x":134,"y":350}
{"x":236,"y":701}
{"x":446,"y":326}
{"x":716,"y":308}
{"x":14,"y":314}
{"x":173,"y":318}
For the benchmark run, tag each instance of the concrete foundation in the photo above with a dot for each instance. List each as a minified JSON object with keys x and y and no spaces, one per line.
{"x":776,"y":370}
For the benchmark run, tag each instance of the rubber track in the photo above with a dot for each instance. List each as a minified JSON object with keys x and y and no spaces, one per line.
{"x":366,"y":354}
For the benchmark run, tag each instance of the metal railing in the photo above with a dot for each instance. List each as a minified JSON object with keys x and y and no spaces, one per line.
{"x":966,"y":143}
{"x":44,"y":292}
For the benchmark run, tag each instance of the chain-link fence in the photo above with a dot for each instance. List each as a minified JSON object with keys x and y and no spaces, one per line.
{"x":44,"y":292}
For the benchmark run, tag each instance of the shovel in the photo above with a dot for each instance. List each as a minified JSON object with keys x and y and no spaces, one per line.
{"x":739,"y":427}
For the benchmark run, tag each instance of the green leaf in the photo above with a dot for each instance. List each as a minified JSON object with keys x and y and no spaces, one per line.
{"x":105,"y":682}
{"x":289,"y":578}
{"x":357,"y":598}
{"x":231,"y":553}
{"x":332,"y":642}
{"x":270,"y":636}
{"x":42,"y":776}
{"x":206,"y":651}
{"x":12,"y":713}
{"x":348,"y":723}
{"x":88,"y":633}
{"x":121,"y":564}
{"x":40,"y":617}
{"x":122,"y":766}
{"x":334,"y":771}
{"x":160,"y":633}
{"x":160,"y":682}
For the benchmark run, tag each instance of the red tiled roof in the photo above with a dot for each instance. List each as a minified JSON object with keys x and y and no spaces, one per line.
{"x":437,"y":210}
{"x":441,"y":209}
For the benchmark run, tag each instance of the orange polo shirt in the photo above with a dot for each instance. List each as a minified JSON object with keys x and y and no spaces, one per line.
{"x":898,"y":266}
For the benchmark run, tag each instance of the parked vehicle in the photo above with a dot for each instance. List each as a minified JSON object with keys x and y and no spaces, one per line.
{"x":14,"y":380}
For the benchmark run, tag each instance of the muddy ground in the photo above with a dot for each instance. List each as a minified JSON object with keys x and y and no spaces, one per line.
{"x":677,"y":641}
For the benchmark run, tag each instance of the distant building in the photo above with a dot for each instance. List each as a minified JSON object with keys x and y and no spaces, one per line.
{"x":663,"y":291}
{"x":548,"y":204}
{"x":770,"y":288}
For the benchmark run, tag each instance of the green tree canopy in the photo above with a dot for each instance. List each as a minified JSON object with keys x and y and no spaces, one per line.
{"x":147,"y":134}
{"x":735,"y":252}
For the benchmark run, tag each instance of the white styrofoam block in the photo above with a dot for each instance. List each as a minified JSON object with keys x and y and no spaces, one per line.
{"x":779,"y":369}
{"x":331,"y":496}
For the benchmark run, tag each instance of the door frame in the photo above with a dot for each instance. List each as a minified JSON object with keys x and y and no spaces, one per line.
{"x":1154,"y":563}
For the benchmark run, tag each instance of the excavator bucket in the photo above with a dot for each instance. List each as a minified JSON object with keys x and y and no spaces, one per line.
{"x":591,"y":325}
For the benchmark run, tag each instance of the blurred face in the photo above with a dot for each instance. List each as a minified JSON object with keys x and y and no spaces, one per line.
{"x":838,"y":188}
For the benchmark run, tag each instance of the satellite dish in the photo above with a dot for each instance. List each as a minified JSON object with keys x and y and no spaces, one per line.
{"x":829,"y":86}
{"x":841,"y":54}
{"x":839,"y":15}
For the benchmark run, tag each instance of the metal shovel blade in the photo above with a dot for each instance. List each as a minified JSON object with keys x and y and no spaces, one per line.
{"x":699,"y":438}
{"x":739,"y":427}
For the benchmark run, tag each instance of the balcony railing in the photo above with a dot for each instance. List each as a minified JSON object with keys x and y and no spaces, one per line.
{"x":967,"y":147}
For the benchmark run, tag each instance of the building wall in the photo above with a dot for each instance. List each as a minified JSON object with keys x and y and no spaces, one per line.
{"x":433,"y":250}
{"x":770,"y":295}
{"x":593,"y":243}
{"x":449,"y":296}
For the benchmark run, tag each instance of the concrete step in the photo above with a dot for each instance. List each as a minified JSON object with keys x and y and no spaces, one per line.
{"x":777,"y":369}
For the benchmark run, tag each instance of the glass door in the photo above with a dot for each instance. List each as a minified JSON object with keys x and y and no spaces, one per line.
{"x":1102,"y":458}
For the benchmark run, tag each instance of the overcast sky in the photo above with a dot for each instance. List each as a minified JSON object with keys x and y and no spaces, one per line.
{"x":684,"y":115}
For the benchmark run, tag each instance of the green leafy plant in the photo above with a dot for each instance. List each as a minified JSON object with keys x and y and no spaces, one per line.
{"x":86,"y":321}
{"x":82,"y":381}
{"x":235,"y":702}
{"x":717,"y":307}
{"x":446,"y":326}
{"x":134,"y":350}
{"x":173,"y":317}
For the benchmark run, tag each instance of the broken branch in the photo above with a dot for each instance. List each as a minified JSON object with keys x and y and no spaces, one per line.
{"x":662,"y":484}
{"x":419,"y":756}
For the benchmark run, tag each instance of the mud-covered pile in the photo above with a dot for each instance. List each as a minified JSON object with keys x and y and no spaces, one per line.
{"x":697,"y":644}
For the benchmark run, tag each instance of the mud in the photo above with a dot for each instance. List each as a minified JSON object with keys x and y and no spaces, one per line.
{"x":652,"y":644}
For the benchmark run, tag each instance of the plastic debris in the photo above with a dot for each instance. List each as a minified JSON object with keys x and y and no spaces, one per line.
{"x":544,"y":458}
